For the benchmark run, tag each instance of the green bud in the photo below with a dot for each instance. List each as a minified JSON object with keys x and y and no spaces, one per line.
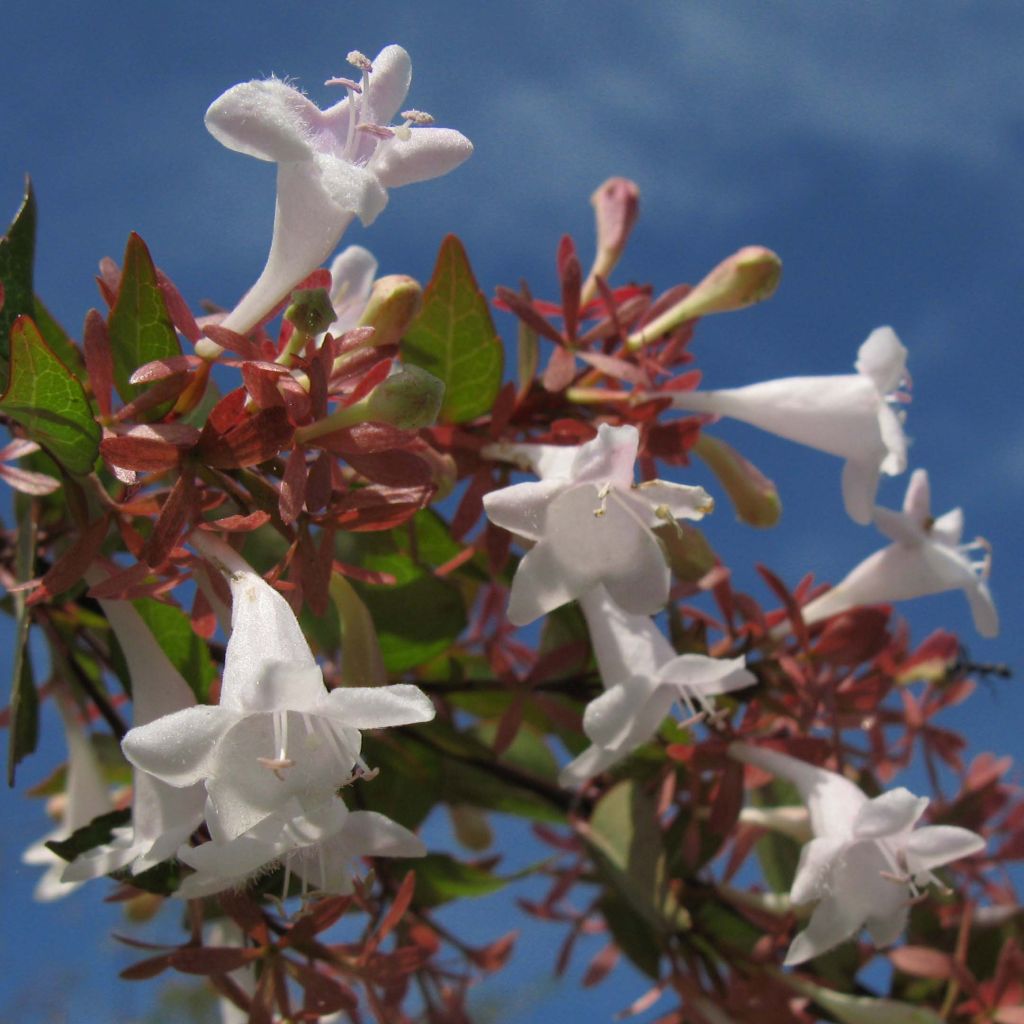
{"x":753,"y":494}
{"x":310,"y":311}
{"x":394,"y":302}
{"x":408,"y":399}
{"x":689,"y":555}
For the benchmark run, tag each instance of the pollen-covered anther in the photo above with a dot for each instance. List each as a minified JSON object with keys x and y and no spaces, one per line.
{"x":602,"y":497}
{"x":359,"y":60}
{"x":417,"y":117}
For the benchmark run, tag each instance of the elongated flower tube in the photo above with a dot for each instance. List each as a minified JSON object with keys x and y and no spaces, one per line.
{"x":926,"y":557}
{"x":643,"y":678}
{"x":867,"y":860}
{"x":277,"y":734}
{"x":332,"y":165}
{"x":848,"y":415}
{"x":163,"y":816}
{"x":590,"y":524}
{"x":352,"y":274}
{"x":85,"y":798}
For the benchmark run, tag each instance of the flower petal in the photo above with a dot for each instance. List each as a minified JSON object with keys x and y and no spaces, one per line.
{"x":813,"y":872}
{"x":935,"y":845}
{"x":427,"y":153}
{"x":351,"y":188}
{"x":609,"y":457}
{"x":889,"y":814}
{"x":352,"y":274}
{"x":681,"y":501}
{"x":626,"y":715}
{"x":882,"y":357}
{"x":179,"y":748}
{"x":388,"y":85}
{"x":626,"y":646}
{"x":949,"y":527}
{"x":541,"y":584}
{"x":269,"y":120}
{"x":860,"y":488}
{"x":378,"y":707}
{"x":522,"y":508}
{"x":917,"y":502}
{"x":983,"y":609}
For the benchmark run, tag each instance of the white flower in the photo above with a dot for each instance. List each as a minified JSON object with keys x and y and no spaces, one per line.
{"x":333,"y":165}
{"x":163,"y":816}
{"x":590,"y":524}
{"x":866,"y":862}
{"x":277,"y":734}
{"x":85,"y":798}
{"x":643,"y":678}
{"x":318,"y":847}
{"x":926,"y":557}
{"x":848,"y":415}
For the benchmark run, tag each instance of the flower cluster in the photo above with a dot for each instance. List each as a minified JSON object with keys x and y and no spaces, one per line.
{"x":410,"y":511}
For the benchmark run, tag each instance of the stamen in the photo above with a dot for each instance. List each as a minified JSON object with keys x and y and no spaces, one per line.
{"x":417,"y":117}
{"x":376,"y":130}
{"x":276,"y":764}
{"x":348,"y":83}
{"x":359,"y":60}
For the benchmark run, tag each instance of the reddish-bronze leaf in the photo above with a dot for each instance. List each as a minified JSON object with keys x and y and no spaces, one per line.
{"x":253,"y":440}
{"x":98,"y":362}
{"x":70,"y":567}
{"x":176,"y":513}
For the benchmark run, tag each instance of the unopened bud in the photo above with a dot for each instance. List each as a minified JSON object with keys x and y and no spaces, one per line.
{"x":689,"y":555}
{"x":409,"y":399}
{"x":394,"y":302}
{"x":748,"y":276}
{"x":616,"y":207}
{"x":362,"y":663}
{"x":753,"y":494}
{"x":310,"y":311}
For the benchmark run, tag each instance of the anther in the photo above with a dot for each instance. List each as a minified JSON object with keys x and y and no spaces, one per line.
{"x":359,"y":60}
{"x":417,"y":117}
{"x":276,"y":764}
{"x":377,"y":130}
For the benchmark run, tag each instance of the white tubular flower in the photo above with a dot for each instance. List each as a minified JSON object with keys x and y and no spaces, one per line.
{"x":319,"y":847}
{"x":163,"y":816}
{"x":85,"y":798}
{"x":867,"y":861}
{"x":926,"y":557}
{"x":848,"y":415}
{"x":643,"y":678}
{"x":277,"y":735}
{"x":333,"y":165}
{"x":590,"y":524}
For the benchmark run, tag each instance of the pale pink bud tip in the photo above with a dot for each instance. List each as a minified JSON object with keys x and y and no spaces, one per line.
{"x":616,"y":205}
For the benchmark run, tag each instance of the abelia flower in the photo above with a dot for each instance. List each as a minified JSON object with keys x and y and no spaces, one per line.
{"x":590,"y":524}
{"x":333,"y":165}
{"x":926,"y":557}
{"x":163,"y":816}
{"x":643,"y":678}
{"x":352,"y":274}
{"x":277,"y":734}
{"x":318,"y":846}
{"x":85,"y":798}
{"x":867,"y":862}
{"x":849,"y":415}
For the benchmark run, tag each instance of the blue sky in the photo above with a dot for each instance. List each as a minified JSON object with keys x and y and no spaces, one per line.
{"x":877,"y":148}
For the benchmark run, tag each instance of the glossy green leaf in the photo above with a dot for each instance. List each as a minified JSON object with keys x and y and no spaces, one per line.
{"x":99,"y":831}
{"x":441,"y":878}
{"x":777,"y":854}
{"x":362,"y":663}
{"x":849,"y":1009}
{"x":454,"y":337}
{"x":23,"y":734}
{"x":17,"y":249}
{"x":140,"y":327}
{"x":632,"y":933}
{"x":48,"y":401}
{"x":58,"y":339}
{"x":185,"y":651}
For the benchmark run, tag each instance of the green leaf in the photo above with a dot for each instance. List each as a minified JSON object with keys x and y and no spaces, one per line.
{"x":17,"y":249}
{"x":24,"y":727}
{"x":399,"y":761}
{"x":186,"y":652}
{"x":454,"y":337}
{"x":48,"y":401}
{"x":632,"y":933}
{"x":99,"y":831}
{"x":859,"y":1009}
{"x":409,"y":640}
{"x":58,"y":339}
{"x":140,"y":327}
{"x":441,"y":878}
{"x":361,"y":661}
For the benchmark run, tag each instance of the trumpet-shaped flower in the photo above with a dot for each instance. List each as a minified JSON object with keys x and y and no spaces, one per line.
{"x":643,"y":678}
{"x":277,"y":734}
{"x":318,"y":847}
{"x":926,"y":557}
{"x":85,"y":798}
{"x":352,"y":274}
{"x":848,"y":415}
{"x":163,"y":816}
{"x":590,"y":524}
{"x":866,"y":862}
{"x":332,"y":165}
